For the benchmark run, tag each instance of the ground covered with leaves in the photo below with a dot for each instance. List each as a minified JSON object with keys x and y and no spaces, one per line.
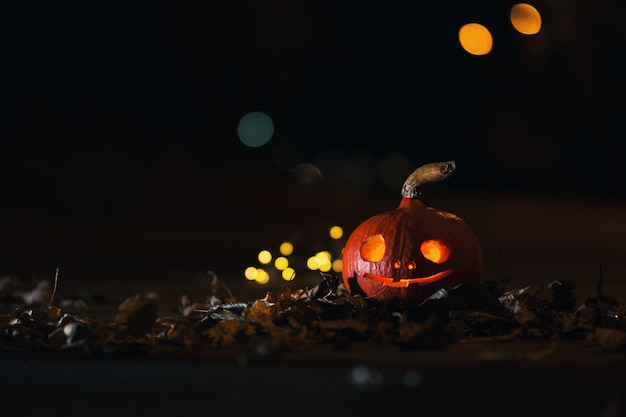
{"x":33,"y":319}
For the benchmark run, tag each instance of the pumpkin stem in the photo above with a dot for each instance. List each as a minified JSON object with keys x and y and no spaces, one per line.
{"x":426,"y":175}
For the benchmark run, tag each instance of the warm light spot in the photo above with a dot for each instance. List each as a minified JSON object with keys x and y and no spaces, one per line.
{"x":265,"y":257}
{"x":322,"y":256}
{"x":325,"y":266}
{"x":250,"y":273}
{"x":525,"y":19}
{"x":411,"y":265}
{"x":336,"y":232}
{"x":435,"y":250}
{"x":396,"y":264}
{"x":262,"y":276}
{"x":288,"y":274}
{"x":475,"y":39}
{"x":312,"y":264}
{"x":323,"y":260}
{"x":286,"y":248}
{"x":337,"y":265}
{"x":255,"y":129}
{"x":281,"y":263}
{"x":373,"y":249}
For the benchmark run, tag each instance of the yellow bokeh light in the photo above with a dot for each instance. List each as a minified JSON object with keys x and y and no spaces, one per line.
{"x":265,"y":257}
{"x":322,"y":256}
{"x":325,"y":266}
{"x":262,"y":277}
{"x":286,"y":248}
{"x":337,"y":265}
{"x":475,"y":39}
{"x":312,"y":263}
{"x":525,"y":19}
{"x":250,"y":273}
{"x":288,"y":274}
{"x":336,"y":232}
{"x":323,"y":260}
{"x":281,"y":263}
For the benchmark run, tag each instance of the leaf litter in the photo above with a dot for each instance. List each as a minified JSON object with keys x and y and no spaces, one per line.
{"x":324,"y":315}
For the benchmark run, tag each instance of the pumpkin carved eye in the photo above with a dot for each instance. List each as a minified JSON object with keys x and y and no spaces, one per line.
{"x":373,"y":248}
{"x":396,"y":264}
{"x":435,"y":250}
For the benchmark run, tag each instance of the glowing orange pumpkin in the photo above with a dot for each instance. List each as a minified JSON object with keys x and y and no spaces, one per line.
{"x":409,"y":253}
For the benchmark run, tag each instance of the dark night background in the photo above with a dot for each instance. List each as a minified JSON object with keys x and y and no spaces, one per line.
{"x":118,"y":126}
{"x":120,"y":164}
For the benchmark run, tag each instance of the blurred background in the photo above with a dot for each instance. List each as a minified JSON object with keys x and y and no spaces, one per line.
{"x":149,"y":141}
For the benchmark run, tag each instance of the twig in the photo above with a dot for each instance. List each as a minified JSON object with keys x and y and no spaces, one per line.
{"x":54,"y":290}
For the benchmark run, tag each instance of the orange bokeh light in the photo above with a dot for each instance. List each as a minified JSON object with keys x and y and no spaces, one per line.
{"x":525,"y":19}
{"x":475,"y":39}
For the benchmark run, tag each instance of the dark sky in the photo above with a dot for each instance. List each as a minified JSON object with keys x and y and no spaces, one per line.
{"x":104,"y":103}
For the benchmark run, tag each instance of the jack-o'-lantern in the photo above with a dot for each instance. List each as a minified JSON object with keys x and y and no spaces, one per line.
{"x":410,"y":253}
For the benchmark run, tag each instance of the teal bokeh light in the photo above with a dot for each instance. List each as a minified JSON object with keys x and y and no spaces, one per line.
{"x":255,"y":129}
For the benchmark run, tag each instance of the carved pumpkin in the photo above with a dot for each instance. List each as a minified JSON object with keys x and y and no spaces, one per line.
{"x":409,"y":253}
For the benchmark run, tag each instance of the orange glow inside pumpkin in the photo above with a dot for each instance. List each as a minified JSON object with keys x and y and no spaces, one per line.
{"x":373,"y":249}
{"x":435,"y":250}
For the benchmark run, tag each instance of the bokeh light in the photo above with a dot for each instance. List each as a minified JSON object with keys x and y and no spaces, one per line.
{"x":525,"y":19}
{"x":255,"y":129}
{"x":286,"y":265}
{"x":288,"y":274}
{"x":250,"y":273}
{"x":337,"y":265}
{"x":286,"y":248}
{"x":265,"y":257}
{"x":335,"y":232}
{"x":262,"y":276}
{"x":475,"y":39}
{"x":281,"y":263}
{"x":323,"y":260}
{"x":312,"y":263}
{"x":305,"y":174}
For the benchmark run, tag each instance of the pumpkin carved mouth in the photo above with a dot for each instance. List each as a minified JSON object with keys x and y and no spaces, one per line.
{"x":405,"y":282}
